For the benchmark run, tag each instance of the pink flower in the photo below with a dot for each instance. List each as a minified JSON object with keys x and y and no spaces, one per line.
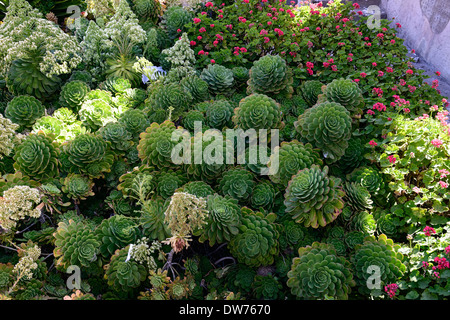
{"x":444,"y":173}
{"x":436,"y":142}
{"x":211,"y":25}
{"x":209,"y":4}
{"x":356,"y":80}
{"x":438,"y":73}
{"x":389,"y":70}
{"x":213,"y":61}
{"x":425,"y":264}
{"x":334,"y":68}
{"x":373,"y":143}
{"x":380,"y":73}
{"x":202,"y":29}
{"x":406,"y":110}
{"x":266,"y":39}
{"x":363,"y":74}
{"x":197,"y":20}
{"x":391,"y":290}
{"x":263,"y":32}
{"x":178,"y":30}
{"x":199,"y":38}
{"x":392,"y":159}
{"x":193,"y":43}
{"x":443,"y":184}
{"x":392,"y":41}
{"x":447,"y":250}
{"x":428,"y":231}
{"x":416,"y":189}
{"x":409,"y":71}
{"x":201,"y":52}
{"x":356,"y":6}
{"x":371,"y":112}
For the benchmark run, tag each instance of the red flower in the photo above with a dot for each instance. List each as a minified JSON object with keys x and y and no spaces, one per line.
{"x":363,"y":74}
{"x":409,"y":71}
{"x":373,"y":143}
{"x":392,"y":159}
{"x":197,"y":20}
{"x":428,"y":231}
{"x":213,"y":61}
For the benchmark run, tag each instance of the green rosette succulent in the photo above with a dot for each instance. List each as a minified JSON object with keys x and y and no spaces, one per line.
{"x":220,"y":79}
{"x":174,"y":18}
{"x":270,"y":75}
{"x":353,"y":156}
{"x":386,"y":223}
{"x":199,"y":189}
{"x":75,"y":244}
{"x":96,"y":113}
{"x":241,"y":75}
{"x":311,"y":90}
{"x":147,"y":10}
{"x":116,"y":232}
{"x":268,"y":288}
{"x":152,"y":219}
{"x":81,"y":75}
{"x":294,"y":235}
{"x":124,"y":275}
{"x":65,"y":115}
{"x":26,"y":78}
{"x":214,"y":149}
{"x":99,"y":94}
{"x":50,"y":125}
{"x":314,"y":198}
{"x":116,"y":85}
{"x":162,"y":97}
{"x":370,"y":178}
{"x":263,"y":196}
{"x":318,"y":272}
{"x":116,"y":133}
{"x":24,"y":110}
{"x":257,"y":243}
{"x":289,"y":158}
{"x":89,"y":154}
{"x":156,"y":145}
{"x":240,"y":278}
{"x":377,"y":254}
{"x":6,"y":276}
{"x":223,"y":220}
{"x":258,"y":111}
{"x":219,"y":114}
{"x":237,"y":183}
{"x":135,"y":121}
{"x":191,"y":117}
{"x":77,"y":187}
{"x":345,"y":92}
{"x":354,"y":238}
{"x":364,"y":222}
{"x":168,"y":181}
{"x":73,"y":94}
{"x":197,"y":87}
{"x":37,"y":157}
{"x":328,"y":126}
{"x":357,"y":196}
{"x":295,"y":106}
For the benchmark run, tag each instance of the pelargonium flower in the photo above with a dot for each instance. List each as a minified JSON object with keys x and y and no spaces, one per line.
{"x":436,"y":142}
{"x":428,"y":231}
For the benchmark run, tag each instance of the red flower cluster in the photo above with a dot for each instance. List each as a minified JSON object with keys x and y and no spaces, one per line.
{"x":391,"y":290}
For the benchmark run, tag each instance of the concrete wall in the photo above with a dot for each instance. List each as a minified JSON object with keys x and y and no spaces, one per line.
{"x":425,"y":27}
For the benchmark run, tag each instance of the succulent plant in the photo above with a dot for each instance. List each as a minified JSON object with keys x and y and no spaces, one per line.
{"x":290,"y":158}
{"x":152,"y":219}
{"x":116,"y":133}
{"x":256,"y":244}
{"x":354,"y":238}
{"x":77,"y":187}
{"x":81,"y":75}
{"x":327,"y":126}
{"x":115,"y":233}
{"x":25,"y":77}
{"x":199,"y":189}
{"x":116,"y":85}
{"x":295,"y":106}
{"x":50,"y":125}
{"x":75,"y":244}
{"x":96,"y":113}
{"x":270,"y":75}
{"x":147,"y":10}
{"x":73,"y":94}
{"x":369,"y":178}
{"x":214,"y":150}
{"x":263,"y":196}
{"x":357,"y":196}
{"x":24,"y":110}
{"x":377,"y":253}
{"x":353,"y":156}
{"x":197,"y":87}
{"x":155,"y":145}
{"x":124,"y":275}
{"x":37,"y":157}
{"x":314,"y":198}
{"x":175,"y":18}
{"x":219,"y":114}
{"x":168,"y":181}
{"x":295,"y":235}
{"x":311,"y":89}
{"x":268,"y":288}
{"x":6,"y":275}
{"x":241,"y":75}
{"x":220,"y":79}
{"x":345,"y":92}
{"x":191,"y":117}
{"x":223,"y":220}
{"x":258,"y":111}
{"x":135,"y":121}
{"x":364,"y":222}
{"x":318,"y":272}
{"x":162,"y":97}
{"x":237,"y":183}
{"x":90,"y":154}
